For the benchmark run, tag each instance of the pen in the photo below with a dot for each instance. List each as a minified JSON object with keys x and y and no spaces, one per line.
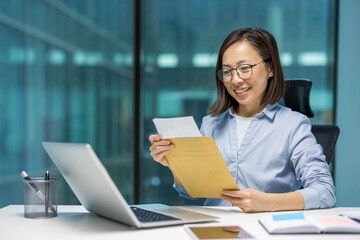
{"x":36,"y":190}
{"x":47,"y":178}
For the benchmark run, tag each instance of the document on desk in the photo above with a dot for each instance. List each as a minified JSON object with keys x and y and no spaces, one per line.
{"x":195,"y":159}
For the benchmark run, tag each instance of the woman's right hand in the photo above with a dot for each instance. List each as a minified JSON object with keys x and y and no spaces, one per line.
{"x":159,"y":148}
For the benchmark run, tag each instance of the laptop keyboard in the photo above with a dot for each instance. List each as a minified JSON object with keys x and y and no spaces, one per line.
{"x":149,"y":216}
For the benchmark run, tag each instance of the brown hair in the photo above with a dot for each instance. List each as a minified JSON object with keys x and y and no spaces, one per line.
{"x":266,"y":45}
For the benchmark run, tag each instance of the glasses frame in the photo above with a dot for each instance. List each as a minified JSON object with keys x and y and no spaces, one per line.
{"x":219,"y":72}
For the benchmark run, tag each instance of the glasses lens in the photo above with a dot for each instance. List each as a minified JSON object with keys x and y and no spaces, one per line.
{"x":224,"y":75}
{"x":244,"y":71}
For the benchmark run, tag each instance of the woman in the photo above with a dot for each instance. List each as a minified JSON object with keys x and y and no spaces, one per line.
{"x":269,"y":149}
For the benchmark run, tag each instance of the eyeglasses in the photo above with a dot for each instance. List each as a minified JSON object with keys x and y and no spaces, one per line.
{"x":244,"y":71}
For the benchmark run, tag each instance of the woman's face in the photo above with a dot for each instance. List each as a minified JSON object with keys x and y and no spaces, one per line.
{"x":248,"y":93}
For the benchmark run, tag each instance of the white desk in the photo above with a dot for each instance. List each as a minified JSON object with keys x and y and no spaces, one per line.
{"x":74,"y":222}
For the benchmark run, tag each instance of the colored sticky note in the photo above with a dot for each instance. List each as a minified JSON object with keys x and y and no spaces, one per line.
{"x":337,"y":221}
{"x":289,"y":216}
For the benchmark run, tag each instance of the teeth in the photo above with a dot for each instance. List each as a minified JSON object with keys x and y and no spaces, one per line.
{"x":242,"y":90}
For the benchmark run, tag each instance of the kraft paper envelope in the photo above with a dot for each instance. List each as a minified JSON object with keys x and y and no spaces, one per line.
{"x":198,"y":164}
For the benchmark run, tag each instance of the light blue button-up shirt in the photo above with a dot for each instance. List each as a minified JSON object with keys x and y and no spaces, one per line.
{"x":278,"y":154}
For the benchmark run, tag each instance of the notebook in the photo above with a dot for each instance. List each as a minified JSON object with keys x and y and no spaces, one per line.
{"x":299,"y":223}
{"x":93,"y":186}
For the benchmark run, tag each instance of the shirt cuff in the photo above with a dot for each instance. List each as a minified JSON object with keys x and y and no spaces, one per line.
{"x":311,"y":197}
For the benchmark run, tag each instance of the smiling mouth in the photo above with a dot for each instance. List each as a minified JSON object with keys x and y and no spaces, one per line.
{"x":242,"y":90}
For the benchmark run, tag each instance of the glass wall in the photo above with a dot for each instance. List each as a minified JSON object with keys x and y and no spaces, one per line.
{"x":66,"y":75}
{"x":181,"y":40}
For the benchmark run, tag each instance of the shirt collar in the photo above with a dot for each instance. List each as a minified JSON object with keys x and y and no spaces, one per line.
{"x":269,"y":111}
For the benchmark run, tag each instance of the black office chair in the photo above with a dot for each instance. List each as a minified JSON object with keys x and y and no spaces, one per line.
{"x":297,"y":97}
{"x":326,"y":136}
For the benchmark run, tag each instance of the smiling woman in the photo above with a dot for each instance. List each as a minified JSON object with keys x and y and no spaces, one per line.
{"x":247,"y":48}
{"x":247,"y":87}
{"x":269,"y":149}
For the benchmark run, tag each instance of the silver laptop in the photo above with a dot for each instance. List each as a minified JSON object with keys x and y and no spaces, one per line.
{"x":93,"y":186}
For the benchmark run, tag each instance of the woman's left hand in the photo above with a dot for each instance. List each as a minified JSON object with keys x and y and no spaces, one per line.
{"x":249,"y":200}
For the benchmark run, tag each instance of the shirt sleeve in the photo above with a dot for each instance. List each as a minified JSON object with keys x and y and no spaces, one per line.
{"x":182,"y":192}
{"x":311,"y":168}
